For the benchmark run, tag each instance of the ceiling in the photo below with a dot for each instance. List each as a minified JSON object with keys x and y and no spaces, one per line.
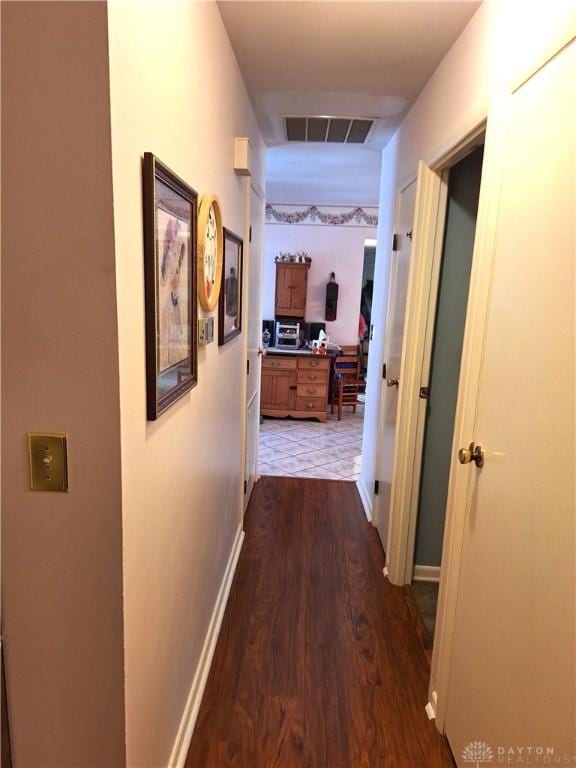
{"x":326,"y":173}
{"x":338,"y":58}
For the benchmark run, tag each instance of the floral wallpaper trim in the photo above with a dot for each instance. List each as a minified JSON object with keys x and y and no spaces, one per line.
{"x":314,"y":214}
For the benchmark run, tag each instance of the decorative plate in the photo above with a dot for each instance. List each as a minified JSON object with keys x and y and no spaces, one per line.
{"x":210,"y":252}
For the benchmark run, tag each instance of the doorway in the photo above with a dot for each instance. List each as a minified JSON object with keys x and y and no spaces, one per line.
{"x":313,"y":380}
{"x":441,"y":393}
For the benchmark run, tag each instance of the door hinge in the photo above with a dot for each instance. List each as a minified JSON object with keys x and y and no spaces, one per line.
{"x":395,"y":242}
{"x":247,"y":367}
{"x":250,"y":234}
{"x":245,"y":486}
{"x":384,"y":371}
{"x":376,"y":487}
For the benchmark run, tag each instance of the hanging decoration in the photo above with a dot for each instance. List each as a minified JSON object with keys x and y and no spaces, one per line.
{"x":331,"y":299}
{"x":313,"y":214}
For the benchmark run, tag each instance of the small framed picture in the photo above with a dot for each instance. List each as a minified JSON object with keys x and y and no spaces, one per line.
{"x":170,"y":224}
{"x":230,"y":303}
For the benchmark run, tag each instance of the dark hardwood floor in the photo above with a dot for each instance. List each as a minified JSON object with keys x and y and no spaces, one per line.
{"x":319,"y":663}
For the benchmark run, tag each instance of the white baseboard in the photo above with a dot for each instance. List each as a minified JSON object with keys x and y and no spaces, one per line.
{"x":426,"y":573}
{"x":184,"y":735}
{"x":366,"y":499}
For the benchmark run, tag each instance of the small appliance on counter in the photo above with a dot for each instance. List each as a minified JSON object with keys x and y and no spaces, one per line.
{"x":288,"y":334}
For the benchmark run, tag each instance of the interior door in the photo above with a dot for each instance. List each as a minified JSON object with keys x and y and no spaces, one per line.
{"x":398,"y":286}
{"x":254,"y":329}
{"x":512,"y":678}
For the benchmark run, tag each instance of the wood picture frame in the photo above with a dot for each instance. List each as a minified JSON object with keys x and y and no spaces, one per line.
{"x":230,"y":301}
{"x":210,"y":251}
{"x":170,"y":238}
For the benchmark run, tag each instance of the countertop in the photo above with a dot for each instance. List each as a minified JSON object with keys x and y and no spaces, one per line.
{"x":305,"y":352}
{"x":284,"y":351}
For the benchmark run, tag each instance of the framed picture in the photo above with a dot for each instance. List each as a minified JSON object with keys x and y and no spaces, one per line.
{"x":210,"y":251}
{"x":170,"y":220}
{"x":230,"y":304}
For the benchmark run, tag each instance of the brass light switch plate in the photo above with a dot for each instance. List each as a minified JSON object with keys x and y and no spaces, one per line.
{"x":48,"y":461}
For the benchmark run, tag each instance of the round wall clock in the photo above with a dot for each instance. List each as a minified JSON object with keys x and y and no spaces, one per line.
{"x":210,"y":251}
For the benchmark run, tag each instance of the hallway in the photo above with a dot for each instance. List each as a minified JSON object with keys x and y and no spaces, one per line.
{"x":318,"y":662}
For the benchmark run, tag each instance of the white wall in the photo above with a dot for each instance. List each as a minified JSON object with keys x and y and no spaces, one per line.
{"x":499,"y":44}
{"x":175,"y":91}
{"x":338,"y":249}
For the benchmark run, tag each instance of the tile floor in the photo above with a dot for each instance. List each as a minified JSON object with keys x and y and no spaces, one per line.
{"x":307,"y":448}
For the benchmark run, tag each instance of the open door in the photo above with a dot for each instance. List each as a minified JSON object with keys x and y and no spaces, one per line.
{"x":398,"y":286}
{"x":254,"y":329}
{"x":510,"y":681}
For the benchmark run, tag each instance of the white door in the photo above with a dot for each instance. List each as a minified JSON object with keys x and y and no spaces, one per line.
{"x":254,"y":329}
{"x":399,"y":272}
{"x":512,"y":678}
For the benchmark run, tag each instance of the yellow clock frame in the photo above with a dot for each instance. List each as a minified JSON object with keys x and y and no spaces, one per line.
{"x":209,"y":302}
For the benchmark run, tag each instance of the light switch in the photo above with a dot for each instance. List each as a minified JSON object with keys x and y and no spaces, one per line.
{"x":48,"y":461}
{"x":205,"y":330}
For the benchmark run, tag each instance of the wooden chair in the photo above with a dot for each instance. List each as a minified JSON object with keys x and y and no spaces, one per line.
{"x":347,"y":381}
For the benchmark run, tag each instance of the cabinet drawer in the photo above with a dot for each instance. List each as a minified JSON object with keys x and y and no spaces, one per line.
{"x":285,"y":363}
{"x":314,"y":362}
{"x":312,"y":376}
{"x":311,"y":404}
{"x":312,"y":390}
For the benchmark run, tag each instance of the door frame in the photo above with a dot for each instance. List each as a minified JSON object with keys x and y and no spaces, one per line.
{"x":246,"y":487}
{"x":383,"y":390}
{"x":427,"y":246}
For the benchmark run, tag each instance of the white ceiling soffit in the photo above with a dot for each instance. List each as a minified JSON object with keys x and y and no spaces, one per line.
{"x":340,"y":58}
{"x":328,"y":174}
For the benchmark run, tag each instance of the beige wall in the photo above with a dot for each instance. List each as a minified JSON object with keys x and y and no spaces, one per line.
{"x":61,"y":553}
{"x":502,"y":41}
{"x":176,"y":91}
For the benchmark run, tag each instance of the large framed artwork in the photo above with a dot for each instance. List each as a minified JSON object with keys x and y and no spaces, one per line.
{"x":230,"y":304}
{"x":170,"y":222}
{"x":210,"y":251}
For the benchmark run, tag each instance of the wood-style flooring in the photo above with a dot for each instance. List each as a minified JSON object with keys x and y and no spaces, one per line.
{"x":319,"y":663}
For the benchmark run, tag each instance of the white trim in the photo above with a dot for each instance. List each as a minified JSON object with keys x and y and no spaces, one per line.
{"x":424,"y":323}
{"x":366,"y":498}
{"x":184,"y":735}
{"x":426,"y":573}
{"x":409,"y":404}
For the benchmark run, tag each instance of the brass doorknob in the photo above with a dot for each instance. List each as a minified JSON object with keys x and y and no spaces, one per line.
{"x":392,"y":382}
{"x":474,"y":453}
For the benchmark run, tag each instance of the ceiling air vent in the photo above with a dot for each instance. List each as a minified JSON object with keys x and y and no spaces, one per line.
{"x":338,"y":130}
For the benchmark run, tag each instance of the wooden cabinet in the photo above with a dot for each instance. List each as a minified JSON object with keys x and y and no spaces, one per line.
{"x":279,"y":376}
{"x":295,"y":386}
{"x":291,"y":286}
